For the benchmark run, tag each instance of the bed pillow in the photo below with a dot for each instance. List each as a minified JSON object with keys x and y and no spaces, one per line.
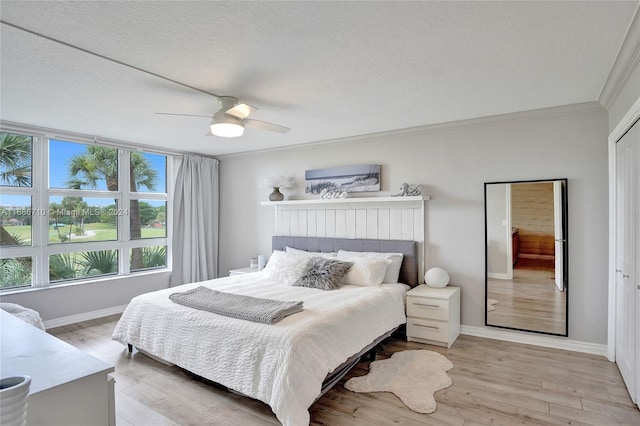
{"x":367,"y":272}
{"x":324,"y":274}
{"x":286,"y":267}
{"x":310,"y":253}
{"x":393,"y":270}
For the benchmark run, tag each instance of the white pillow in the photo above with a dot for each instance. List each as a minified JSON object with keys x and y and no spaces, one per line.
{"x":393,"y":271}
{"x":286,"y":268}
{"x":366,"y":272}
{"x":328,"y":255}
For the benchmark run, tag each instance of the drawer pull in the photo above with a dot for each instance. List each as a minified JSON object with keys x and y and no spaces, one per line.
{"x":426,"y":326}
{"x":426,"y":304}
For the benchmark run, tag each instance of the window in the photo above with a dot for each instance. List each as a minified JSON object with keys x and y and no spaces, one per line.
{"x":151,"y":257}
{"x":16,"y":206}
{"x":91,"y":211}
{"x":148,"y":210}
{"x":76,"y":265}
{"x":16,"y":159}
{"x":16,"y":219}
{"x":15,"y":272}
{"x":82,"y":219}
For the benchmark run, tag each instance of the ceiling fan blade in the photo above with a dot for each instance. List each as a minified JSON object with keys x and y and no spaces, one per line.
{"x":263,"y":125}
{"x":241,"y":110}
{"x":182,"y":115}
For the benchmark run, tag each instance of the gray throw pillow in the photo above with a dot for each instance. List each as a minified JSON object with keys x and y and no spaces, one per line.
{"x":324,"y":274}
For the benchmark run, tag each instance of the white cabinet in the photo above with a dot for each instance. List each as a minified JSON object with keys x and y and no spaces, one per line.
{"x":433,"y":315}
{"x":68,"y":386}
{"x":242,"y":271}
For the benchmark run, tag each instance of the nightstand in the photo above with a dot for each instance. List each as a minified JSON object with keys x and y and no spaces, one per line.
{"x":433,"y":315}
{"x":242,"y":271}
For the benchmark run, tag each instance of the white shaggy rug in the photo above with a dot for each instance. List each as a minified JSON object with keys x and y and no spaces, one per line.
{"x":491,"y":304}
{"x":413,"y":376}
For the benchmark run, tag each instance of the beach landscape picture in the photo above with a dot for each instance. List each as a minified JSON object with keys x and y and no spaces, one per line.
{"x":362,"y":178}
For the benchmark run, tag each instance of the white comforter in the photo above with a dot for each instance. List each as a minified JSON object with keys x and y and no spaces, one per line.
{"x":283,"y":364}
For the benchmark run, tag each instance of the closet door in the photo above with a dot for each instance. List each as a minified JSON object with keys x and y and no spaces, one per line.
{"x":627,"y":227}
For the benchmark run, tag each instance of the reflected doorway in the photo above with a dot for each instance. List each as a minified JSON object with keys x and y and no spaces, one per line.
{"x":526,"y":255}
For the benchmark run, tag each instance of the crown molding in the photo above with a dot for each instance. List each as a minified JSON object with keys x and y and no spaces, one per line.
{"x":627,"y":59}
{"x":556,"y":111}
{"x":627,"y":121}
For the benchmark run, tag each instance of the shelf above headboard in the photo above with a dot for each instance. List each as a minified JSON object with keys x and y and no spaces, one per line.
{"x":399,"y":201}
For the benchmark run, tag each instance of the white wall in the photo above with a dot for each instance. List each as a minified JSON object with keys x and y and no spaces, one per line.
{"x":71,"y":300}
{"x":453,"y":163}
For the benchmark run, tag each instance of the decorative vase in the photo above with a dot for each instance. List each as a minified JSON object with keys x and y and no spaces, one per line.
{"x":276,"y":195}
{"x":14,"y":392}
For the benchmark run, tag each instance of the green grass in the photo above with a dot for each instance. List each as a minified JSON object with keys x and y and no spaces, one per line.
{"x":153,"y":233}
{"x":93,"y":232}
{"x":22,"y":232}
{"x":101,"y":231}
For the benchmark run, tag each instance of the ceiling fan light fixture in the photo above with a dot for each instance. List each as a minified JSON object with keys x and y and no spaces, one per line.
{"x":226,"y":126}
{"x":227,"y":130}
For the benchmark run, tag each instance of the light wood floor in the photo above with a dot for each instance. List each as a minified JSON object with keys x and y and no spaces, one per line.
{"x":529,"y":301}
{"x":494,"y":383}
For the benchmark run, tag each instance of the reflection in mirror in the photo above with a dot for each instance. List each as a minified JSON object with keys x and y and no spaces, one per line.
{"x":526,"y":255}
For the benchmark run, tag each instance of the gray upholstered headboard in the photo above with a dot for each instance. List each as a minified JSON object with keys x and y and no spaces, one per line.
{"x":408,"y":270}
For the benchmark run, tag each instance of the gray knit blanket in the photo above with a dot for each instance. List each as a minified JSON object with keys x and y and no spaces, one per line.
{"x":236,"y":305}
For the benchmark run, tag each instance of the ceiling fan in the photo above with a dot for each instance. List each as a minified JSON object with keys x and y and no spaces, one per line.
{"x":231,"y":119}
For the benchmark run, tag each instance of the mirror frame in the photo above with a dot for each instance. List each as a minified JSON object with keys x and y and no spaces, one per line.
{"x":565,"y":225}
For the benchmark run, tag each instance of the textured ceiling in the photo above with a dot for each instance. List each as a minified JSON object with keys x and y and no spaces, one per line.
{"x":328,"y":70}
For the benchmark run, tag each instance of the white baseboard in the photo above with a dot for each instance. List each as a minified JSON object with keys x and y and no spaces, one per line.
{"x":499,"y":276}
{"x":72,"y":319}
{"x":535,"y":339}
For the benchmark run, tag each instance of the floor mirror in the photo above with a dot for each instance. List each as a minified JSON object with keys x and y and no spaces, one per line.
{"x":526,"y":255}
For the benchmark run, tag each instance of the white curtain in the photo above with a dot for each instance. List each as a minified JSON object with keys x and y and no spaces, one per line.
{"x":195,"y":221}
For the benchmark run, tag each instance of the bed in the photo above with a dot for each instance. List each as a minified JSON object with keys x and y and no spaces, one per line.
{"x":291,"y":363}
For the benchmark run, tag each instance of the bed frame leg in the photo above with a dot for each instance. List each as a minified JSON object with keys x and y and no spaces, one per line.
{"x":372,"y":354}
{"x":130,"y":347}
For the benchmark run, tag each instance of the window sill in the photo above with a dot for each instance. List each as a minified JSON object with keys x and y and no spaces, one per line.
{"x":20,"y":290}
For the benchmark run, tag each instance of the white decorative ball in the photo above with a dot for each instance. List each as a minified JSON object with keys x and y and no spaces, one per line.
{"x":436,"y":277}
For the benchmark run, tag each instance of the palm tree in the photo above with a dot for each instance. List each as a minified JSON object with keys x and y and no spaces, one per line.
{"x":101,"y":163}
{"x":62,"y":266}
{"x":97,"y":164}
{"x":100,"y":262}
{"x":15,"y":160}
{"x":154,"y":256}
{"x":15,"y":170}
{"x":15,"y":272}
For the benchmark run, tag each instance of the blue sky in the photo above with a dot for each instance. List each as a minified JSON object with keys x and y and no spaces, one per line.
{"x":60,"y":154}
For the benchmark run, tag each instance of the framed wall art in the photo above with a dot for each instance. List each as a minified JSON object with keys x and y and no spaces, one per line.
{"x":363,"y":178}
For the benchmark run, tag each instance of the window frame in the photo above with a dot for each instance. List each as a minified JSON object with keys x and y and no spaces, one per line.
{"x":40,"y":193}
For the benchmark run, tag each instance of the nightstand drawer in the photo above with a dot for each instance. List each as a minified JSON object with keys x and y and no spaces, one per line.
{"x":422,"y":307}
{"x":427,"y":329}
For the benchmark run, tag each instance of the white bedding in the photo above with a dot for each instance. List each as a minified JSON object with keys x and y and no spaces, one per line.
{"x":283,"y":364}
